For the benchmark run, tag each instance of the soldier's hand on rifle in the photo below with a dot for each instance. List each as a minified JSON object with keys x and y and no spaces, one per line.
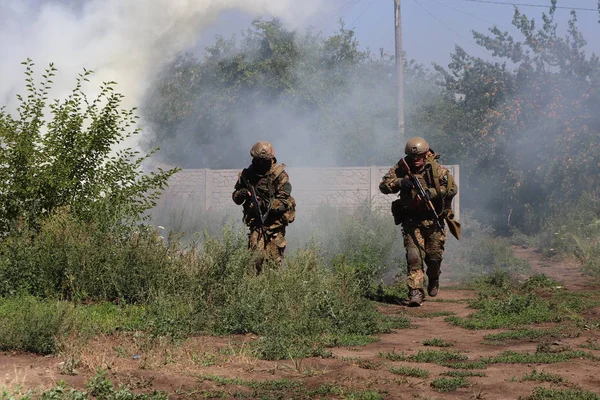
{"x":406,"y":184}
{"x":243,"y":194}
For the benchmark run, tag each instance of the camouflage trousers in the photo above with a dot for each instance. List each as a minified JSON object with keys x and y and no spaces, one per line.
{"x":423,"y":243}
{"x":269,"y":249}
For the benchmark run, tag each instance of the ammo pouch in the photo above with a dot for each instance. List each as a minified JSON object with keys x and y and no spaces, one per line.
{"x":398,"y":211}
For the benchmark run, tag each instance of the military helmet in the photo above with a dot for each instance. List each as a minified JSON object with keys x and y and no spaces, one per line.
{"x":416,"y":145}
{"x":262,"y":150}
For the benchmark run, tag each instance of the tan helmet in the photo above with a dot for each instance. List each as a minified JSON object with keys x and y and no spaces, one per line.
{"x":416,"y":145}
{"x":262,"y":150}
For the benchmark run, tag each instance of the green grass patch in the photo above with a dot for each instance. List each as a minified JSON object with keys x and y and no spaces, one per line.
{"x":435,"y":314}
{"x":425,"y":356}
{"x":388,"y":323}
{"x":466,"y":364}
{"x":437,"y":356}
{"x":462,"y":374}
{"x":393,"y":356}
{"x":539,"y":281}
{"x":409,"y":371}
{"x":542,"y":393}
{"x":449,"y":384}
{"x":513,"y":311}
{"x":437,"y":343}
{"x":513,"y":357}
{"x":271,"y":385}
{"x":542,"y":376}
{"x":522,"y":334}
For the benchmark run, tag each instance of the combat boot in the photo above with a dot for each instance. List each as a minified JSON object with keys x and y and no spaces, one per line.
{"x":433,"y":286}
{"x":415,"y":298}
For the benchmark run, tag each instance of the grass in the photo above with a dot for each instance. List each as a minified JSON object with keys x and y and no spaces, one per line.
{"x":542,"y":393}
{"x":426,"y":356}
{"x":462,"y":374}
{"x":542,"y":376}
{"x":466,"y":365}
{"x":449,"y":384}
{"x":434,"y":314}
{"x":437,"y":343}
{"x":409,"y":371}
{"x":522,"y":334}
{"x":513,"y":357}
{"x":591,"y":344}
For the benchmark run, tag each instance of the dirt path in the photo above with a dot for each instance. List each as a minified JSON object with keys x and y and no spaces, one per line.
{"x":185,"y":371}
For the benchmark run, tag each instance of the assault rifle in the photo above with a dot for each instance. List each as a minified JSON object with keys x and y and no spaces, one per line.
{"x":422,"y":195}
{"x":260,"y":218}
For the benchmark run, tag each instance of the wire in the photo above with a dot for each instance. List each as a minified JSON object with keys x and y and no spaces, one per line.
{"x":339,"y":11}
{"x":363,"y":11}
{"x":450,"y":29}
{"x":471,"y":15}
{"x":531,"y":5}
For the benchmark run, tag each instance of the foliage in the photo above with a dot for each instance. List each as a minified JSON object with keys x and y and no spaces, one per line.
{"x":528,"y":134}
{"x":303,"y":90}
{"x":71,"y":158}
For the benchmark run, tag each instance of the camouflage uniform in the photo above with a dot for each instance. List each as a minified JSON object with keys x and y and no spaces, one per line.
{"x":273,"y":190}
{"x":423,"y":239}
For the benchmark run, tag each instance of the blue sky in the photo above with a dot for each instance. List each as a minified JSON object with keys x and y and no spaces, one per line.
{"x":431,"y":28}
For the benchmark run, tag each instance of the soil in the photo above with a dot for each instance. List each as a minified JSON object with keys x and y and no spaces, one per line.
{"x":179,"y":370}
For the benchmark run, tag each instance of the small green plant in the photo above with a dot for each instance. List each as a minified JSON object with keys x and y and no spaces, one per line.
{"x":591,"y":344}
{"x":449,"y":384}
{"x":393,"y":356}
{"x":409,"y":371}
{"x":437,"y":356}
{"x":542,"y":377}
{"x":437,"y":343}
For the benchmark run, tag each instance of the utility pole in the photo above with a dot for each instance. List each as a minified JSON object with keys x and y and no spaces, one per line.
{"x":399,"y":68}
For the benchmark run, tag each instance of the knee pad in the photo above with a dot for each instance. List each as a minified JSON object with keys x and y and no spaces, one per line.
{"x":413,"y":258}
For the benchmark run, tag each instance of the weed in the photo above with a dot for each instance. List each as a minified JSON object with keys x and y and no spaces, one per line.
{"x":409,"y":371}
{"x":539,"y":281}
{"x":449,"y":384}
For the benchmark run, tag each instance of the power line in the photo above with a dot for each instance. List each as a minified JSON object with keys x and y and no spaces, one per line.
{"x":450,"y":29}
{"x":471,"y":15}
{"x":339,"y":11}
{"x":363,"y":11}
{"x":531,"y":5}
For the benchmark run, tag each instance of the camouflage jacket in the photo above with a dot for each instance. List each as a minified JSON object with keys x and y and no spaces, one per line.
{"x":275,"y":192}
{"x":441,"y":196}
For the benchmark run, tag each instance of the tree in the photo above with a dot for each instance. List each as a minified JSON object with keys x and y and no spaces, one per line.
{"x":70,"y":159}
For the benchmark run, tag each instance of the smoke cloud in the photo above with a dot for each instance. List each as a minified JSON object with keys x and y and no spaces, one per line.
{"x":122,"y":41}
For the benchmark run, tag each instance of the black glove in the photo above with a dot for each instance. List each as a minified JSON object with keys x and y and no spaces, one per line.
{"x":406,"y":184}
{"x":242,"y":194}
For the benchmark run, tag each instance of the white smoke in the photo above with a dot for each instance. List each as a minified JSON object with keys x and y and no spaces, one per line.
{"x":126,"y":41}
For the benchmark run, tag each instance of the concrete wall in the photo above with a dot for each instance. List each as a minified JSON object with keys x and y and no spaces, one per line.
{"x":347,"y":187}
